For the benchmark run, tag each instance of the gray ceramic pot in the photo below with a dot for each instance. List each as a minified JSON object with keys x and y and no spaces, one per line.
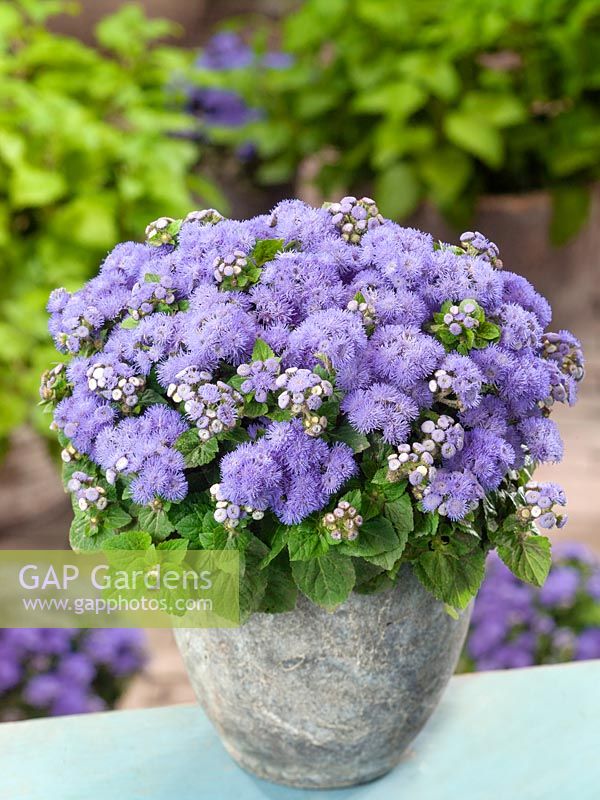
{"x":323,"y":700}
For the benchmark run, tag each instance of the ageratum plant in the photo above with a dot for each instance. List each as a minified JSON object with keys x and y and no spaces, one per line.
{"x":515,"y":625}
{"x":46,"y":672}
{"x":329,"y":393}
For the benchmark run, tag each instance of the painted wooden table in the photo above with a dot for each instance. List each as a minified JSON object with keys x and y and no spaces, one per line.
{"x":529,"y":734}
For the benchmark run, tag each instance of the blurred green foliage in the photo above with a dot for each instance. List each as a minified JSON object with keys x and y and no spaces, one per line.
{"x":87,"y":159}
{"x":434,"y":99}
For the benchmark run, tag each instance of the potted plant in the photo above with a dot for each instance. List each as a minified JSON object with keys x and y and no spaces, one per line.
{"x":358,"y":410}
{"x":468,"y":114}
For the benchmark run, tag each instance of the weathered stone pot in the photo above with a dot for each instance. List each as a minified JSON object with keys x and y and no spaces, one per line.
{"x":323,"y":700}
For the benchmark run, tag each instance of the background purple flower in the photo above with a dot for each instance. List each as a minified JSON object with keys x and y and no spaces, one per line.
{"x":51,"y":672}
{"x":517,"y":625}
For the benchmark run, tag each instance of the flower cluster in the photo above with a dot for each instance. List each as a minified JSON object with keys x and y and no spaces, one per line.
{"x":564,"y":353}
{"x":343,"y":522}
{"x":51,"y":672}
{"x":304,"y":353}
{"x":115,"y":382}
{"x":54,"y":385}
{"x":303,"y":394}
{"x":441,"y":438}
{"x":229,"y":514}
{"x":141,"y":448}
{"x":287,"y":471}
{"x":515,"y":625}
{"x":541,"y":504}
{"x":463,"y":326}
{"x":212,"y":407}
{"x":86,"y":492}
{"x":476,"y":244}
{"x":353,"y":218}
{"x":260,"y":377}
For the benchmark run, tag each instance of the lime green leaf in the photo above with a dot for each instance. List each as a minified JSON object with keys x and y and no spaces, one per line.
{"x":265,"y":250}
{"x":132,"y":540}
{"x":90,"y":221}
{"x":472,"y":133}
{"x":85,"y":537}
{"x":261,"y":351}
{"x":114,"y":517}
{"x":32,"y":186}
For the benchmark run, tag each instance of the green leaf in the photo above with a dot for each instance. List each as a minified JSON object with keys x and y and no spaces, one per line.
{"x":487,"y":330}
{"x":304,"y":542}
{"x":474,"y":134}
{"x":32,"y":186}
{"x":114,"y":517}
{"x":83,"y":537}
{"x":281,"y":592}
{"x":261,"y":351}
{"x":253,"y":580}
{"x":354,"y":497}
{"x":453,"y":573}
{"x":353,"y":438}
{"x":179,"y":545}
{"x":426,"y":524}
{"x":265,"y":250}
{"x":129,"y":323}
{"x":446,"y":172}
{"x":501,"y":110}
{"x":151,"y":277}
{"x":190,"y":526}
{"x":212,"y":535}
{"x":526,"y":555}
{"x":376,"y":536}
{"x":389,"y":559}
{"x":397,"y":191}
{"x":156,"y":523}
{"x":381,"y":477}
{"x":252,"y":409}
{"x":326,"y":580}
{"x":195,"y":452}
{"x":394,"y":491}
{"x":400,"y":514}
{"x":379,"y":583}
{"x":277,"y":545}
{"x":132,"y":540}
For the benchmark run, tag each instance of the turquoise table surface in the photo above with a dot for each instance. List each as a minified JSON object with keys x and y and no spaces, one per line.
{"x":529,"y":734}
